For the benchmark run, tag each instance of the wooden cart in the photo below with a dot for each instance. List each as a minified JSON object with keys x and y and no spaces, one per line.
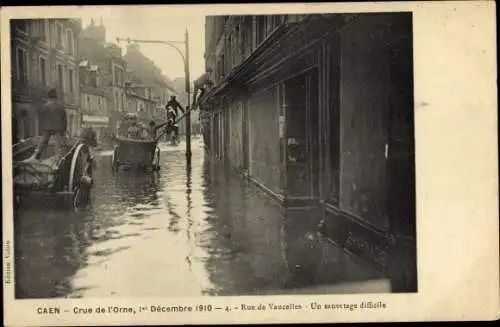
{"x":51,"y":179}
{"x":138,"y":154}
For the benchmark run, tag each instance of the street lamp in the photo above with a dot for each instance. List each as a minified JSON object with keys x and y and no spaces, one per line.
{"x":185,"y":59}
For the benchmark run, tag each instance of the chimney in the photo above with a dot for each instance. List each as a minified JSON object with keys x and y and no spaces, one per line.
{"x":96,"y":32}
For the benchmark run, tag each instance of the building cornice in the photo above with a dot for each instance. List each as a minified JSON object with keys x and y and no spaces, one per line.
{"x":139,"y":97}
{"x":270,"y":54}
{"x":92,"y":90}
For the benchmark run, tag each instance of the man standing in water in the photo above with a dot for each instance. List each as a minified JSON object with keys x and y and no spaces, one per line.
{"x":53,"y":122}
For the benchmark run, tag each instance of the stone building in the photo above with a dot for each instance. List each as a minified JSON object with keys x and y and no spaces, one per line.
{"x":108,"y":57}
{"x":318,"y":111}
{"x":43,"y":56}
{"x":143,"y":71}
{"x":140,"y":101}
{"x":94,"y":99}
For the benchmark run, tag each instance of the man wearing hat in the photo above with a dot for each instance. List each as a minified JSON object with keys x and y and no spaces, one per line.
{"x":53,"y":122}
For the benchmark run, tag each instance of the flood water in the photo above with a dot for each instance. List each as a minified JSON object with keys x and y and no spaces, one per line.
{"x":183,"y":231}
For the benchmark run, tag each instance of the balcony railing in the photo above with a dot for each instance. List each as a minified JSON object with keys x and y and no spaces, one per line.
{"x":69,"y":98}
{"x":22,"y":88}
{"x":25,"y":89}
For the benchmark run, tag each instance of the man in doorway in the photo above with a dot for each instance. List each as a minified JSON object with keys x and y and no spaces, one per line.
{"x":201,"y":85}
{"x":53,"y":122}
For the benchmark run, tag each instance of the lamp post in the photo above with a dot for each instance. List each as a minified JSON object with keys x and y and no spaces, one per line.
{"x":185,"y":59}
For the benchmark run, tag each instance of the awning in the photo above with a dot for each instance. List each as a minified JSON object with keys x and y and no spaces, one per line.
{"x":95,"y":119}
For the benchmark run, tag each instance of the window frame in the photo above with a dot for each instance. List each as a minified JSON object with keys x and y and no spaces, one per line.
{"x":43,"y":80}
{"x":26,"y":65}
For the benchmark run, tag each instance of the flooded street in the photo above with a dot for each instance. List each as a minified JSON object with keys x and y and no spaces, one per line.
{"x":183,"y":231}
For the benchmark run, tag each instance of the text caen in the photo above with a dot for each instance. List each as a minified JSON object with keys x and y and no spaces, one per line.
{"x":48,"y":310}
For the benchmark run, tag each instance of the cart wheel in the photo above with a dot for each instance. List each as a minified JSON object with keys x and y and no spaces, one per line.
{"x":79,"y":180}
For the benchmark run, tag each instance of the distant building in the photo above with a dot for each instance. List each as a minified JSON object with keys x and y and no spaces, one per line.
{"x":143,"y":71}
{"x":43,"y":56}
{"x":140,"y":101}
{"x":117,"y":98}
{"x":318,"y":111}
{"x":108,"y":56}
{"x":94,"y":98}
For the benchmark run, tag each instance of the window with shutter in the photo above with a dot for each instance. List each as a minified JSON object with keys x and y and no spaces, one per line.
{"x":69,"y":36}
{"x":60,"y":78}
{"x":43,"y":30}
{"x":59,"y":29}
{"x":43,"y":72}
{"x":261,"y":29}
{"x":71,"y":79}
{"x":22,"y":65}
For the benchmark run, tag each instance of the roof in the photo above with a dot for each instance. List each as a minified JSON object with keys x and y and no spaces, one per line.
{"x":94,"y":68}
{"x":84,"y":63}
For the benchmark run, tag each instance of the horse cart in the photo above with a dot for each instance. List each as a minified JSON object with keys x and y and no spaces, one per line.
{"x":137,"y":154}
{"x":52,"y":179}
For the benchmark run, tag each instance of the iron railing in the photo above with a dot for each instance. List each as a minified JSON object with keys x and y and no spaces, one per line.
{"x":22,"y":88}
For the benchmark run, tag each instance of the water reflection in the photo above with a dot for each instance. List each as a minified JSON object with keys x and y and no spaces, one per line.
{"x":188,"y":230}
{"x":50,"y":249}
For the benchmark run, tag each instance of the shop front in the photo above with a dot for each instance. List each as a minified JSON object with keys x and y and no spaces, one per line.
{"x":321,"y":118}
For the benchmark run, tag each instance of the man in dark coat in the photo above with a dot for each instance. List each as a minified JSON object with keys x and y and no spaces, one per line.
{"x":173,"y":107}
{"x":53,"y":122}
